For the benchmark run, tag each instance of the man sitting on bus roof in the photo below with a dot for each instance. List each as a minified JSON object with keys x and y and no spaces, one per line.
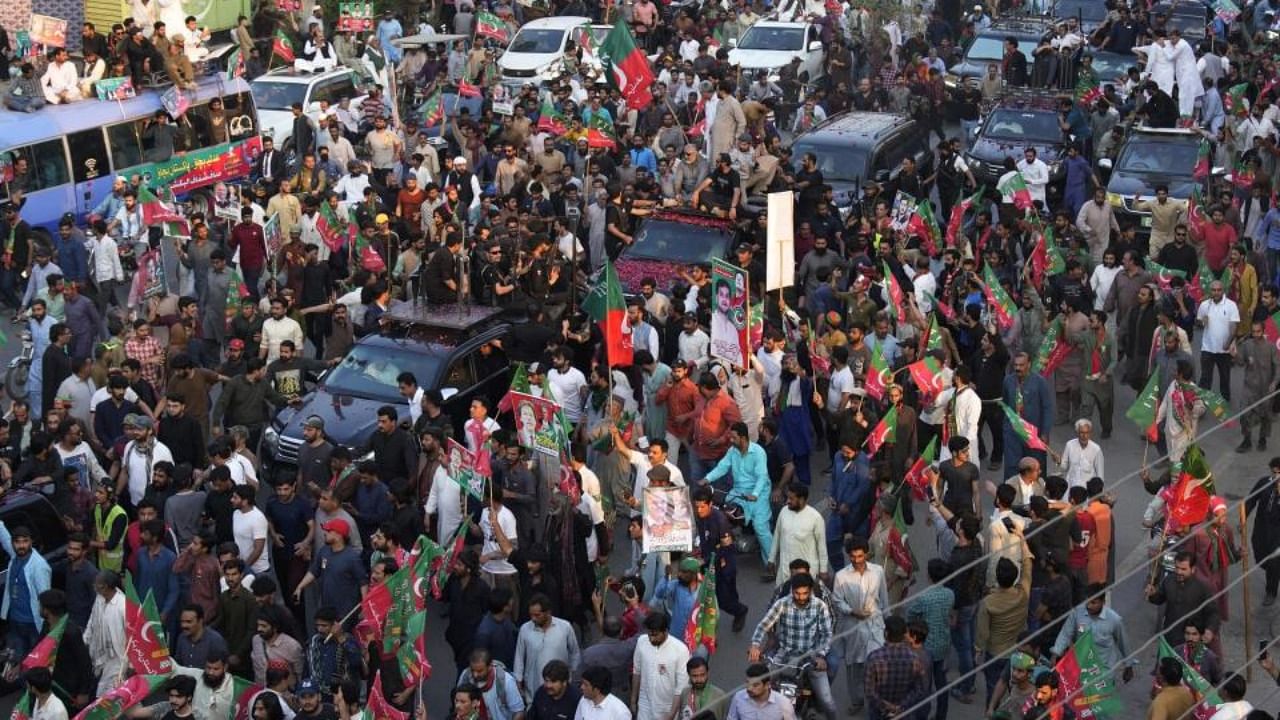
{"x":24,"y":93}
{"x":61,"y":82}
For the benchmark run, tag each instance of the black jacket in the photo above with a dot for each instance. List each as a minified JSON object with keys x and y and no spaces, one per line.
{"x":55,"y":367}
{"x":185,"y":439}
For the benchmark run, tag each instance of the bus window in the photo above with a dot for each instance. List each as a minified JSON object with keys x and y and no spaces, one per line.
{"x":49,"y":164}
{"x":88,"y":155}
{"x":126,"y":150}
{"x":238,"y":110}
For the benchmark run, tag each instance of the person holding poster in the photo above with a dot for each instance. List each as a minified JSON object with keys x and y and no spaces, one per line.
{"x":729,"y":314}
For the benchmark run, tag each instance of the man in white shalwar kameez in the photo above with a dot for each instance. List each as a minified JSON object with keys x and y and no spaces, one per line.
{"x":446,"y":501}
{"x":1185,"y":71}
{"x":1159,"y":64}
{"x":104,"y":634}
{"x":1180,"y":410}
{"x":859,"y":599}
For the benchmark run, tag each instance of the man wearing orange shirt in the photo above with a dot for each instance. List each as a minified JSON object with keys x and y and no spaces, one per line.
{"x":680,"y":396}
{"x":1099,"y":564}
{"x":716,"y":414}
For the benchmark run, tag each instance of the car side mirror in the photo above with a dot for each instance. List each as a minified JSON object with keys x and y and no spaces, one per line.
{"x":733,"y":42}
{"x":815,"y":46}
{"x":446,"y":393}
{"x":1105,"y":163}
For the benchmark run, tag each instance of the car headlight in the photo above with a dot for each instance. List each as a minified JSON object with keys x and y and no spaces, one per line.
{"x":1055,"y":168}
{"x":1116,"y":199}
{"x":951,"y":81}
{"x":270,"y":438}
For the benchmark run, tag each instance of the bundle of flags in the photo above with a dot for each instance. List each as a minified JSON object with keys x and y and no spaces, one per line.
{"x":705,"y":616}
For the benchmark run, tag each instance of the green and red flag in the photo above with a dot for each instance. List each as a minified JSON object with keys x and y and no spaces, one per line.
{"x":433,"y":109}
{"x":897,"y":547}
{"x":519,"y":384}
{"x":607,"y":307}
{"x":932,"y":337}
{"x":628,"y":66}
{"x":335,"y":226}
{"x":924,"y":226}
{"x":412,"y":655}
{"x":600,"y":132}
{"x":444,"y":566}
{"x":1202,"y":691}
{"x":704,"y":618}
{"x":1195,"y":212}
{"x":1199,"y":286}
{"x":928,"y":377}
{"x":45,"y":653}
{"x":1015,"y":187}
{"x":24,"y":708}
{"x":956,"y":222}
{"x":1193,"y":486}
{"x":373,"y":614}
{"x":148,"y":651}
{"x":129,"y":693}
{"x":1271,"y":329}
{"x":1243,"y":175}
{"x":1046,"y":258}
{"x":235,"y":64}
{"x":885,"y":431}
{"x":244,"y":691}
{"x":894,"y":292}
{"x":1163,"y":275}
{"x":1087,"y":681}
{"x":1213,"y":402}
{"x":550,"y":119}
{"x":879,"y":376}
{"x":915,"y":477}
{"x":1025,"y":431}
{"x":1087,"y":90}
{"x":377,"y":706}
{"x":1001,"y":304}
{"x":491,"y":26}
{"x":282,"y":46}
{"x":1235,"y":100}
{"x":157,"y":210}
{"x":1053,"y":350}
{"x":1201,"y":169}
{"x":1146,"y":407}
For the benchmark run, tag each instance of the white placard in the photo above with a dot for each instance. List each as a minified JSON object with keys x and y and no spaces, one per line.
{"x":780,"y":251}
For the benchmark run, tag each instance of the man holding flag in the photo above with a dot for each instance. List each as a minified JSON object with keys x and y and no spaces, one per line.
{"x":1029,"y":396}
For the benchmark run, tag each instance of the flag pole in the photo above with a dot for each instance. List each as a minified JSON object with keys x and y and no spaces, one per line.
{"x":1244,"y":579}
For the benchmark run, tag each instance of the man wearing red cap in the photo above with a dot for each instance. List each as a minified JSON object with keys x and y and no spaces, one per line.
{"x":338,"y":568}
{"x":1216,"y":550}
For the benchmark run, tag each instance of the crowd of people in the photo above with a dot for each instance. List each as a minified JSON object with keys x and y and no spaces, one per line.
{"x":989,"y":346}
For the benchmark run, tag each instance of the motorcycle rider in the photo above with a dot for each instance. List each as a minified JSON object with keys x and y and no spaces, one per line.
{"x":801,"y":626}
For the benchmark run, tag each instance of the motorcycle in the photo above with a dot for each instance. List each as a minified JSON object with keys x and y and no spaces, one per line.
{"x":792,"y":682}
{"x":15,"y":379}
{"x":744,"y":540}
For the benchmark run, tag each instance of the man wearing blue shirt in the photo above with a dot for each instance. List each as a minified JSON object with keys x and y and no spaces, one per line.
{"x":1031,"y":398}
{"x":29,"y":575}
{"x":155,"y":570}
{"x":749,"y":466}
{"x":642,"y":155}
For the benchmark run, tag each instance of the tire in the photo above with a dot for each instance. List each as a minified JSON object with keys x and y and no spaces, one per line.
{"x":15,"y":381}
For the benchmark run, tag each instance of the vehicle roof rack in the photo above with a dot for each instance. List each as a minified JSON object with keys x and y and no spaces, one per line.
{"x":1022,"y":23}
{"x":1032,"y":96}
{"x":451,"y":316}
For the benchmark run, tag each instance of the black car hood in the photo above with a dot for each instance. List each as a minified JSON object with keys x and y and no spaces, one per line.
{"x":995,"y":150}
{"x":348,"y":420}
{"x":1144,"y":185}
{"x":844,"y":192}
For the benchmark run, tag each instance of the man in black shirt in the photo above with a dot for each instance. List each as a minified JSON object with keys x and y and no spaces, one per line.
{"x":809,"y":182}
{"x":619,"y":226}
{"x":715,"y":536}
{"x":440,"y":280}
{"x":958,"y":478}
{"x":311,"y":705}
{"x":722,"y":188}
{"x":394,"y":450}
{"x":317,"y":289}
{"x":181,"y":433}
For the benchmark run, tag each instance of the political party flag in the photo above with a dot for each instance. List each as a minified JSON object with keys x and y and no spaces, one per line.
{"x":1196,"y":219}
{"x":924,"y":226}
{"x":1235,"y":100}
{"x":1143,"y":411}
{"x":1015,"y":186}
{"x":129,"y":693}
{"x":156,"y":210}
{"x":1087,"y":90}
{"x":491,"y":26}
{"x":335,"y":226}
{"x":927,"y":376}
{"x":895,"y":293}
{"x":378,"y":707}
{"x":374,"y":608}
{"x":444,"y":566}
{"x":1271,"y":329}
{"x":915,"y":477}
{"x":628,"y":66}
{"x":45,"y":653}
{"x":1053,"y":350}
{"x":956,"y":222}
{"x":1046,"y":259}
{"x":1242,"y":175}
{"x":244,"y":691}
{"x":898,"y":548}
{"x":467,"y":90}
{"x":148,"y":651}
{"x":879,"y":376}
{"x":1213,"y":402}
{"x":885,"y":431}
{"x":1201,"y":169}
{"x":1163,"y":275}
{"x":1202,"y":690}
{"x":607,"y":307}
{"x":932,"y":338}
{"x":1025,"y":431}
{"x":519,"y":384}
{"x":1087,"y":681}
{"x":24,"y":708}
{"x":1199,"y":286}
{"x":282,"y":46}
{"x":433,"y":109}
{"x":1188,"y":502}
{"x":412,"y":655}
{"x":1001,"y":304}
{"x":704,"y":618}
{"x":550,"y":119}
{"x":600,"y":132}
{"x":235,"y":64}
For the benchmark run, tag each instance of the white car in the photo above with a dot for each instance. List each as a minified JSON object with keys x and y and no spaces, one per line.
{"x":275,"y":93}
{"x":771,"y":45}
{"x":536,"y":53}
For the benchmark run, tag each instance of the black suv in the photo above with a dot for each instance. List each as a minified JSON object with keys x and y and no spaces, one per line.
{"x":1017,"y":122}
{"x":988,"y":48}
{"x":32,"y":510}
{"x":1150,"y":157}
{"x":447,"y":348}
{"x":857,"y":146}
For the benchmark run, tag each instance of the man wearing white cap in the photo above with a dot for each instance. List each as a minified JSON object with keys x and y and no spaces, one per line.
{"x":467,"y":183}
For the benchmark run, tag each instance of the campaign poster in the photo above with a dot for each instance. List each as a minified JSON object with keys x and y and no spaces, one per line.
{"x":175,"y":102}
{"x":904,"y":207}
{"x":287,"y":6}
{"x":729,"y":314}
{"x":355,"y":16}
{"x":50,"y":32}
{"x":536,"y":425}
{"x":667,"y":519}
{"x":120,"y":88}
{"x":272,"y":236}
{"x":154,"y":281}
{"x":462,"y":468}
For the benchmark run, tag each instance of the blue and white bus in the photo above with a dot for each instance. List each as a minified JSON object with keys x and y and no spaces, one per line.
{"x":71,"y":152}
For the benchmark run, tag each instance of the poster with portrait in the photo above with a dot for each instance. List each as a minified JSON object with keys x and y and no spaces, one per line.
{"x":175,"y":102}
{"x":355,"y":16}
{"x":151,"y":269}
{"x":462,"y":468}
{"x":51,"y":32}
{"x":667,"y":519}
{"x":729,"y":314}
{"x":120,"y":88}
{"x":288,"y":6}
{"x":904,"y":207}
{"x":536,"y":426}
{"x":272,"y":237}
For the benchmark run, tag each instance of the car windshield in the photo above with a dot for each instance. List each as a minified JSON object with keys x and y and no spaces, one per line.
{"x":1165,"y":158}
{"x":1111,"y":67}
{"x":679,"y":243}
{"x":836,"y":162}
{"x":772,"y":38}
{"x":537,"y":41}
{"x":989,"y":48}
{"x":1084,"y":9}
{"x":371,"y":370}
{"x":1016,"y":124}
{"x":268,"y":95}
